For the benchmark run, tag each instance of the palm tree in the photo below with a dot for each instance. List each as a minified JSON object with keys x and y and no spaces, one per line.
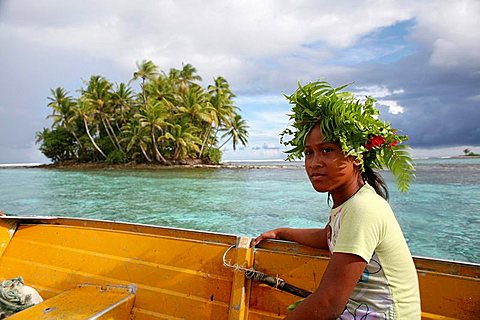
{"x":187,"y":76}
{"x":85,"y":110}
{"x":122,"y":101}
{"x":194,"y":103}
{"x":236,"y":130}
{"x":136,"y":135}
{"x":40,"y":135}
{"x":98,"y":93}
{"x":172,"y":116}
{"x":153,"y":117}
{"x":62,"y":105}
{"x":147,"y":70}
{"x":162,"y":87}
{"x":184,"y":139}
{"x":223,"y":107}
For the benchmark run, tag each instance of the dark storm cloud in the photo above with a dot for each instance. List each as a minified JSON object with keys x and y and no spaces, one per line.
{"x":441,"y":105}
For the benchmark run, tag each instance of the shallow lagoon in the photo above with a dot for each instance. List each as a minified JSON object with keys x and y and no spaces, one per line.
{"x":440,"y":216}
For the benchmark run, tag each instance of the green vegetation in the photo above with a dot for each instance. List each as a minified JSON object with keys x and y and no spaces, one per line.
{"x":171,"y":120}
{"x":469,"y":153}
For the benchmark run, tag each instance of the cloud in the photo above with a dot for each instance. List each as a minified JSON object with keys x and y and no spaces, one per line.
{"x":451,"y":30}
{"x":393,"y":106}
{"x":377,"y":91}
{"x":219,"y":37}
{"x":420,"y":59}
{"x":474,"y":98}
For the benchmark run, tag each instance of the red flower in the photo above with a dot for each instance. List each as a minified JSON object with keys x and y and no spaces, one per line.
{"x":374,"y":142}
{"x":394,"y":143}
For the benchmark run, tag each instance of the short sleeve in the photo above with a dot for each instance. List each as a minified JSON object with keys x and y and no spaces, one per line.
{"x":361,"y":229}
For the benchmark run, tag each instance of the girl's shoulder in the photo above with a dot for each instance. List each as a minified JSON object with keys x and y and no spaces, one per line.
{"x":366,"y":194}
{"x":367,"y":202}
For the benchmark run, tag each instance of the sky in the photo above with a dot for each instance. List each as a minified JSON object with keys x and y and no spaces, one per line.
{"x":419,"y":59}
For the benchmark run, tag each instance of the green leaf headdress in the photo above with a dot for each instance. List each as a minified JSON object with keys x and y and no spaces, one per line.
{"x":350,"y":122}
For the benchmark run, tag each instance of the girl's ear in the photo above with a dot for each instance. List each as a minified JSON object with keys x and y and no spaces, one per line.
{"x":356,"y":162}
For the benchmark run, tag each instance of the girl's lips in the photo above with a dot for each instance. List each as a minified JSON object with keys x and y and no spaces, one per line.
{"x":316,"y":176}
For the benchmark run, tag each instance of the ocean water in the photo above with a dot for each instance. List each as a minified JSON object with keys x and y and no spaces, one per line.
{"x":440,"y":215}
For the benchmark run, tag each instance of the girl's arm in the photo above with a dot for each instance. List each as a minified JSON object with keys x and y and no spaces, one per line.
{"x":316,"y":238}
{"x":336,"y":286}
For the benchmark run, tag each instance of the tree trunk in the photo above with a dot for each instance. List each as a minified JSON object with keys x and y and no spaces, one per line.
{"x":205,"y":141}
{"x":78,"y":141}
{"x":108,"y":132}
{"x":215,"y":135}
{"x":225,"y":142}
{"x":114,"y":136}
{"x":145,"y":153}
{"x":91,"y":138}
{"x":176,"y":153}
{"x":158,"y":155}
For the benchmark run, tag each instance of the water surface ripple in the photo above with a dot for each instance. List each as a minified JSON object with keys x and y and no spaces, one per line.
{"x":440,"y":216}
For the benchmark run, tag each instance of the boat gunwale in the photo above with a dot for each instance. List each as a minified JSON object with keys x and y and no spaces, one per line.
{"x":280,"y":246}
{"x":111,"y":225}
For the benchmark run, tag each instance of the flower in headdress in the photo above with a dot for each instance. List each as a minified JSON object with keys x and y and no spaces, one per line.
{"x":374,"y":142}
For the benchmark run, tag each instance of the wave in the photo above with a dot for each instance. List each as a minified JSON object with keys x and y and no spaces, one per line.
{"x":10,"y":165}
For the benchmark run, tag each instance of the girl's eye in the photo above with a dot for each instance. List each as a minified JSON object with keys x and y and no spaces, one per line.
{"x":308,"y":152}
{"x":327,"y":150}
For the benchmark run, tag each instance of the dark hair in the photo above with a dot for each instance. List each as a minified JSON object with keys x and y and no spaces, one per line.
{"x":376,"y":181}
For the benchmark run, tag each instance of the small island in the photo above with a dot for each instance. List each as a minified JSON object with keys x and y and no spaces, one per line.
{"x":468,"y":153}
{"x":171,"y":120}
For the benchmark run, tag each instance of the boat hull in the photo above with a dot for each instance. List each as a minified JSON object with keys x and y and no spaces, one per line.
{"x":179,"y":274}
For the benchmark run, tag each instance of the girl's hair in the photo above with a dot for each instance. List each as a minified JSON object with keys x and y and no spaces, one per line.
{"x":376,"y":181}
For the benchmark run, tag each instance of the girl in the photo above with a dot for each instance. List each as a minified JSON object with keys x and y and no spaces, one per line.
{"x":370,"y":274}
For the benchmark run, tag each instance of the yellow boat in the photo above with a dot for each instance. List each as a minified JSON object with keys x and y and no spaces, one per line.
{"x":89,"y":269}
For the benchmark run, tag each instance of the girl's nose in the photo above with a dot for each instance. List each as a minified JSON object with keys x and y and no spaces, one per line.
{"x":319,"y":160}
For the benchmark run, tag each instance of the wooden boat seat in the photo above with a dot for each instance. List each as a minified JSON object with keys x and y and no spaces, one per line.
{"x":84,"y":302}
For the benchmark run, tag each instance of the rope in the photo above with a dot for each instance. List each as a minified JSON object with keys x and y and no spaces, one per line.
{"x":252,"y":274}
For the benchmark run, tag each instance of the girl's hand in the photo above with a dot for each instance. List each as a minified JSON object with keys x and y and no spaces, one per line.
{"x":316,"y":238}
{"x":272,"y":234}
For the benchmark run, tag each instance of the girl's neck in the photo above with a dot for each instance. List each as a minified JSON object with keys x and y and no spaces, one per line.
{"x":346,"y":192}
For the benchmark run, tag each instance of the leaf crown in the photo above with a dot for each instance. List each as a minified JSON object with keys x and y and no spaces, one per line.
{"x":352,"y":124}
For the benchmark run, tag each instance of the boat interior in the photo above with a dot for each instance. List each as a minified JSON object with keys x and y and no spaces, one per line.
{"x":90,"y":269}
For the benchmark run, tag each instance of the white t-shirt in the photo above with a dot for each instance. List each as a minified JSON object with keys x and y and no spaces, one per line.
{"x":365,"y":225}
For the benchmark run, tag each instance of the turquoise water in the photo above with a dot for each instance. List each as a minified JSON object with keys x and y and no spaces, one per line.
{"x":440,"y":216}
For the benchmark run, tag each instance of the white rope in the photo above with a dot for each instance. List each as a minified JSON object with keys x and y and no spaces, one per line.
{"x":250,"y":273}
{"x":235,"y":267}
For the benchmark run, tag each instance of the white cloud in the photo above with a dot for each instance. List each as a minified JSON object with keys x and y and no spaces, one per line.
{"x":377,"y":91}
{"x":451,"y":29}
{"x":474,"y":98}
{"x":393,"y":106}
{"x":217,"y":37}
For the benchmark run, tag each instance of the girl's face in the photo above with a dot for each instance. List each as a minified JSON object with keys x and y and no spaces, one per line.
{"x":328,"y":169}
